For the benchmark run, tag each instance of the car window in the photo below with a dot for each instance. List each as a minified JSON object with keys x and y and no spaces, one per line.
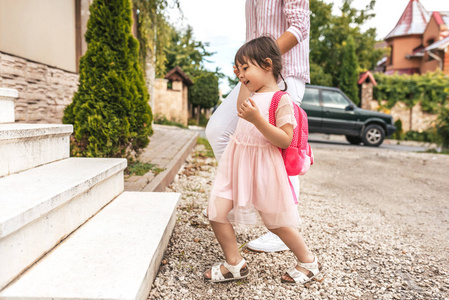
{"x":334,"y":99}
{"x":311,"y":97}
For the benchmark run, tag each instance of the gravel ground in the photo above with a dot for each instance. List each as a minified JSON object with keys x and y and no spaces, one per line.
{"x":378,"y":220}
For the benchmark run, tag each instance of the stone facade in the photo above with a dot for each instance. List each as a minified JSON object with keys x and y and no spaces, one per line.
{"x":171,"y":102}
{"x":171,"y":96}
{"x":415,"y":42}
{"x":421,"y":121}
{"x":366,"y":95}
{"x":44,"y":91}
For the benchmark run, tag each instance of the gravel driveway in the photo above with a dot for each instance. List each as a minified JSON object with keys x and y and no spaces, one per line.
{"x":377,"y":219}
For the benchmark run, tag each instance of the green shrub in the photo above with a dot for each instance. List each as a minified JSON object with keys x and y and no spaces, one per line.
{"x":428,"y":136}
{"x":203,"y":120}
{"x":399,"y":133}
{"x":192,"y":121}
{"x":430,"y":89}
{"x":442,"y":128}
{"x":162,"y":120}
{"x":110,"y":111}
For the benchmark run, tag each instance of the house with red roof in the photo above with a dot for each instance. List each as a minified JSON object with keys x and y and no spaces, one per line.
{"x":419,"y":42}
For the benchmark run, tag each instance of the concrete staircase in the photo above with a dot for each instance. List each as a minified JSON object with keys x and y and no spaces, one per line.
{"x":67,"y":229}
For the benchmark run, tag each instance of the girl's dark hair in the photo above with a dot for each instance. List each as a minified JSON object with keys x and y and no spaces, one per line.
{"x":257,"y":51}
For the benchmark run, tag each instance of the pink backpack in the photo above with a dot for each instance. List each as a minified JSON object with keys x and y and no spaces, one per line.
{"x":298,"y":157}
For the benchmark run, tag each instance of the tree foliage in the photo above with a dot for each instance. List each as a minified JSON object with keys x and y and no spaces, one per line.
{"x":232,"y":82}
{"x":318,"y":76}
{"x":184,"y":51}
{"x":328,"y":33}
{"x":175,"y":47}
{"x":190,"y":55}
{"x":154,"y":31}
{"x":442,"y":127}
{"x":204,"y":93}
{"x":110,"y":110}
{"x":431,"y":89}
{"x":349,"y":71}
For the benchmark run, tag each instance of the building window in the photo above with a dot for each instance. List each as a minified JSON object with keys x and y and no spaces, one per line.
{"x":390,"y":59}
{"x":170,"y":84}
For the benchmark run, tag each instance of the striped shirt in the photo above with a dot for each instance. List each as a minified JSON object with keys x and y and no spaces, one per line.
{"x":273,"y":18}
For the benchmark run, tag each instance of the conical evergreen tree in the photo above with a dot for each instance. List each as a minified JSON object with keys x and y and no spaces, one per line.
{"x":349,"y":71}
{"x":110,"y":110}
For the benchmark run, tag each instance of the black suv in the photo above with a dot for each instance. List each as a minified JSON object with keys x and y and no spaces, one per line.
{"x":330,"y":111}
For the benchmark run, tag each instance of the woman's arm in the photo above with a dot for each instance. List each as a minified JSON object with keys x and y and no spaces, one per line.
{"x":280,"y":137}
{"x":286,"y":42}
{"x":297,"y":14}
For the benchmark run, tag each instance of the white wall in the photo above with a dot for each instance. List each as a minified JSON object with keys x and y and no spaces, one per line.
{"x":39,"y":30}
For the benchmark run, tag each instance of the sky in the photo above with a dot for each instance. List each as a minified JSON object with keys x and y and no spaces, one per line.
{"x":221,"y":23}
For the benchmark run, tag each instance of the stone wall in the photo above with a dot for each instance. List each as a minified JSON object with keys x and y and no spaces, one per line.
{"x":171,"y":103}
{"x":44,"y":91}
{"x":366,"y":94}
{"x":421,"y":121}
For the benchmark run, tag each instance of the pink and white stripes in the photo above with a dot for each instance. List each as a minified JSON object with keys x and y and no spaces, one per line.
{"x":273,"y":18}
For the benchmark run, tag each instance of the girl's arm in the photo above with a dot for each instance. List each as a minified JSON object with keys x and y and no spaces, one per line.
{"x":280,"y":137}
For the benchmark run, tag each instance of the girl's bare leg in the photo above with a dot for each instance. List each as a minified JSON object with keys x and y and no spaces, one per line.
{"x":225,"y":234}
{"x":295,"y":242}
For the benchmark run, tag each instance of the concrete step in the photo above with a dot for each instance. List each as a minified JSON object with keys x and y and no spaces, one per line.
{"x":25,"y":146}
{"x":7,"y":99}
{"x":115,"y":255}
{"x":41,"y":206}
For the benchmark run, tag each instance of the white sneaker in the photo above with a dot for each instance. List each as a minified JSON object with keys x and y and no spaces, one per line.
{"x":205,"y":212}
{"x":269,"y":242}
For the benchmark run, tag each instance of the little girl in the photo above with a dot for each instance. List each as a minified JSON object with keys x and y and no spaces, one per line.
{"x":252,"y":185}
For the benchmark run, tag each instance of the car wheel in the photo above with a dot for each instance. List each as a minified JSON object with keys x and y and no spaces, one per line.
{"x":355,"y":140}
{"x":373,"y":135}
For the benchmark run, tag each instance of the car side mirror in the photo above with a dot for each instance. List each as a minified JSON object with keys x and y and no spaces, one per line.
{"x":349,"y":108}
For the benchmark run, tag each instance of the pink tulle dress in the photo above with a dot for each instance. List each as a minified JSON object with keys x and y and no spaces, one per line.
{"x":251,"y":185}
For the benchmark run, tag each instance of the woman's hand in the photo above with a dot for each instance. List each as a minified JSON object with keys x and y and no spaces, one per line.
{"x":249,"y":111}
{"x":236,"y":71}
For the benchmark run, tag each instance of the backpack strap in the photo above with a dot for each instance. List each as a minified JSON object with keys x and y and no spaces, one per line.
{"x":296,"y":140}
{"x":304,"y":129}
{"x":274,"y":106}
